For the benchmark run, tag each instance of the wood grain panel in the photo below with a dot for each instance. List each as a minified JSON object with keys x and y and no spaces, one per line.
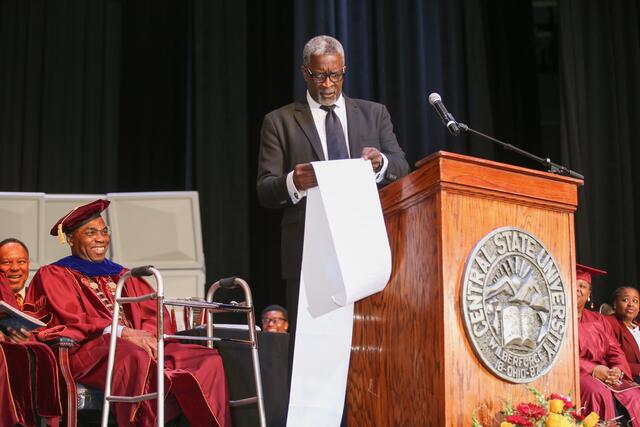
{"x":444,"y":168}
{"x":411,"y":362}
{"x":389,"y":355}
{"x":466,"y":225}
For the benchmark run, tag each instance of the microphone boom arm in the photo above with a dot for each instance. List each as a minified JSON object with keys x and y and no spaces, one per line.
{"x":551,"y":166}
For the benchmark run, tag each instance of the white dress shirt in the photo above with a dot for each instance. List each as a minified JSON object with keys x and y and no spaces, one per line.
{"x":319,"y":119}
{"x":635,"y":331}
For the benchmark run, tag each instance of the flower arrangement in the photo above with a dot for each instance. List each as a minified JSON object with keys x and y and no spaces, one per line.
{"x":554,"y":410}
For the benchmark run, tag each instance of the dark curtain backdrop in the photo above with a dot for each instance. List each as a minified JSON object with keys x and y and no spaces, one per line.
{"x":479,"y":55}
{"x":111,"y":95}
{"x":600,"y":54}
{"x":219,"y":166}
{"x":59,"y":95}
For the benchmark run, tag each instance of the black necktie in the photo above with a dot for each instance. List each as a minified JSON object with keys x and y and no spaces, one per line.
{"x":336,"y":143}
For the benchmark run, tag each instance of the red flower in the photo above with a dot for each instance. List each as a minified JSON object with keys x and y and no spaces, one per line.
{"x":568,"y":404}
{"x":530,"y":410}
{"x":576,"y":415}
{"x":519,"y":420}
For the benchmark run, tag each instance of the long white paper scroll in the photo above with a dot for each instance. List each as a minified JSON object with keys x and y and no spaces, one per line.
{"x":346,"y":258}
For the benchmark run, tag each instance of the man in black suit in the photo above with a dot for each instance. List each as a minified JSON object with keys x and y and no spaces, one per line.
{"x":326,"y":125}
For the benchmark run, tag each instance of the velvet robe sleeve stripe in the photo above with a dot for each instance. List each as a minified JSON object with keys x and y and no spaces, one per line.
{"x":77,"y":312}
{"x":8,"y":411}
{"x":47,"y":388}
{"x":16,"y":391}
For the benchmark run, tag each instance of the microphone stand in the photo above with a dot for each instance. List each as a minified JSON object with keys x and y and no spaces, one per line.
{"x":551,"y":166}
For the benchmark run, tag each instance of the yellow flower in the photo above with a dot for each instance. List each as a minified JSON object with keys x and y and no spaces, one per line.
{"x":556,"y":406}
{"x":557,"y":420}
{"x":591,"y":420}
{"x":505,"y":424}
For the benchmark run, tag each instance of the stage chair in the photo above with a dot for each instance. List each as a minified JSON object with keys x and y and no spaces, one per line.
{"x":245,"y":307}
{"x":77,"y":396}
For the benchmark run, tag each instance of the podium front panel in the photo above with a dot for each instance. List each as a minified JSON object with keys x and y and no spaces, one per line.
{"x":411,"y":360}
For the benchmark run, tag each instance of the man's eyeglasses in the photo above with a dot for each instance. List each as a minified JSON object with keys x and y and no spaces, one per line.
{"x":93,"y":232}
{"x":269,"y":320}
{"x":335,"y":77}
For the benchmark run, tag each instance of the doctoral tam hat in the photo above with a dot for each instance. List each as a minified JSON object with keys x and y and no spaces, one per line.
{"x":77,"y":217}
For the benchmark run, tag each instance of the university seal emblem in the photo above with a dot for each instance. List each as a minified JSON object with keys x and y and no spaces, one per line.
{"x":514,"y":305}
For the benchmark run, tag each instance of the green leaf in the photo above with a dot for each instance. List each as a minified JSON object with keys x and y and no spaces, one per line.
{"x":542,"y":401}
{"x":474,"y":420}
{"x":508,"y":410}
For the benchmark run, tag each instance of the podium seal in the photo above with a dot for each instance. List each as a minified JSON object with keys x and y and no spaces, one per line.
{"x":514,"y":305}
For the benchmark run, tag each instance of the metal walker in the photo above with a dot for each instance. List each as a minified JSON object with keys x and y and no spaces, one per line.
{"x":211,"y":307}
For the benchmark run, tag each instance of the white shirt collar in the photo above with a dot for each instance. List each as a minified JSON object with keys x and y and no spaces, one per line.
{"x":313,"y":104}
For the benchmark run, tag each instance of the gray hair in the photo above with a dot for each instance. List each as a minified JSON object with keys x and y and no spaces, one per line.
{"x":321,"y":45}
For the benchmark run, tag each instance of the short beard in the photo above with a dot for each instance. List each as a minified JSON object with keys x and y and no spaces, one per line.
{"x":323,"y":101}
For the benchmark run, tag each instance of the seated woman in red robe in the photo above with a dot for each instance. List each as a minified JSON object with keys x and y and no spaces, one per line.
{"x":76,"y":296}
{"x":626,"y":302}
{"x":601,"y":358}
{"x":15,"y":374}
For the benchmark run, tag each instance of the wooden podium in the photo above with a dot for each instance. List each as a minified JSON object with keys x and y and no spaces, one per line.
{"x":411,"y":361}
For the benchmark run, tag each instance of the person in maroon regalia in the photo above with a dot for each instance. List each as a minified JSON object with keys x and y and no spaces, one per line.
{"x":601,"y":358}
{"x":77,"y":294}
{"x":14,"y":262}
{"x":16,"y":400}
{"x":626,"y":302}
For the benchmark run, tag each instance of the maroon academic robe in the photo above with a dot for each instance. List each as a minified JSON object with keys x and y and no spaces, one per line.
{"x":15,"y":377}
{"x":627,"y":342}
{"x":194,"y":375}
{"x":8,"y":411}
{"x":598,"y":346}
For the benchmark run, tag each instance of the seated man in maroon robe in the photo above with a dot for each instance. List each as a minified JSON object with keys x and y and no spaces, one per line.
{"x":14,"y":262}
{"x":16,"y":397}
{"x":76,"y":293}
{"x":626,"y":302}
{"x":601,"y":358}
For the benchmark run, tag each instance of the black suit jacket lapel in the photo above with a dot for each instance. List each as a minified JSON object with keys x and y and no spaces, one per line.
{"x":305,"y":120}
{"x":354,"y":126}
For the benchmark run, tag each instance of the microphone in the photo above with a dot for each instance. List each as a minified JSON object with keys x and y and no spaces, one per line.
{"x":445,"y":116}
{"x":455,"y":128}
